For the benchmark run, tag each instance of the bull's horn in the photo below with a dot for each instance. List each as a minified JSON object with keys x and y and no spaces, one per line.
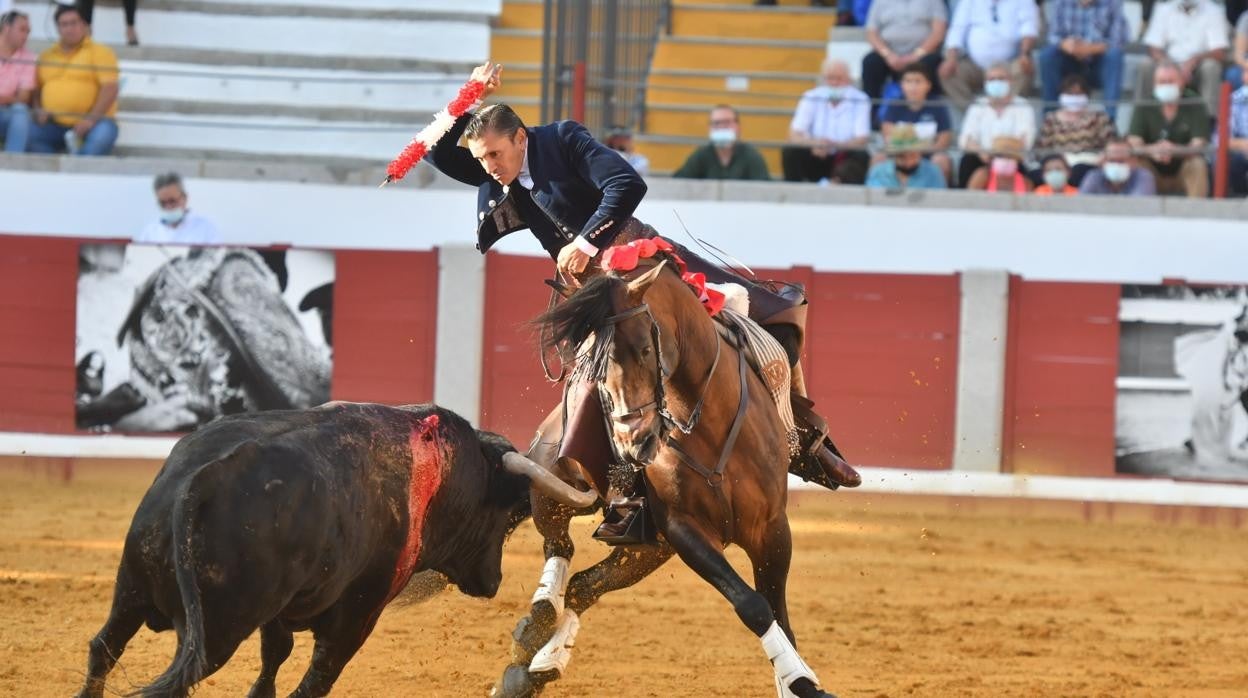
{"x":546,"y":482}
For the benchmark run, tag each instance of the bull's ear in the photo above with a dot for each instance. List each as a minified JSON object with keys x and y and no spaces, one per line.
{"x":637,"y":287}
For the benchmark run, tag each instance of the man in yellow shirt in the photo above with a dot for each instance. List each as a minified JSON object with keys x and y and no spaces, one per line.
{"x":76,"y":97}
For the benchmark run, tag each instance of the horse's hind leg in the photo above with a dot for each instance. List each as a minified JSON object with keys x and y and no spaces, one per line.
{"x":130,"y":607}
{"x":699,"y":549}
{"x":770,"y":556}
{"x":540,"y":657}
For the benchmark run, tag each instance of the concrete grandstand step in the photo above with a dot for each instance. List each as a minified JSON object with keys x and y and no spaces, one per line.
{"x":738,"y":89}
{"x":522,"y":14}
{"x":757,"y":123}
{"x":396,"y":42}
{"x":748,"y":22}
{"x":744,"y":3}
{"x":760,"y":55}
{"x":666,"y":154}
{"x":301,"y":88}
{"x":516,"y":46}
{"x":412,"y":10}
{"x":326,"y":114}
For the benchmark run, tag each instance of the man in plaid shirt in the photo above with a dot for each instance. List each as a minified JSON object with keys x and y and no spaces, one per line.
{"x":1085,"y":36}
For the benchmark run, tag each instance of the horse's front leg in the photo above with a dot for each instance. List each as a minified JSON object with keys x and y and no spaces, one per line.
{"x":624,"y":567}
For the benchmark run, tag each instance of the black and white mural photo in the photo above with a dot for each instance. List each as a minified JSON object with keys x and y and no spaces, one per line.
{"x":1182,"y":408}
{"x":170,"y":337}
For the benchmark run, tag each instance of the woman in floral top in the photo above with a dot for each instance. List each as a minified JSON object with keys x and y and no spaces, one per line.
{"x":1075,"y":131}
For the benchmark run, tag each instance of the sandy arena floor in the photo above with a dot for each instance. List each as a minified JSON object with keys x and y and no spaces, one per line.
{"x":885,"y":603}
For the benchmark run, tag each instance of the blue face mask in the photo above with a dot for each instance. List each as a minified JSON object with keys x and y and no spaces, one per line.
{"x":723,"y":137}
{"x":172,"y":216}
{"x":997,"y":89}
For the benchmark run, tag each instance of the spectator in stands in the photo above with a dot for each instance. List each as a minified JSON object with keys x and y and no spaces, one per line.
{"x":985,"y":33}
{"x":931,"y":120}
{"x":725,"y":157}
{"x":1086,"y":37}
{"x":1173,"y":134}
{"x":1004,"y":171}
{"x":1192,"y":34}
{"x":906,"y":168}
{"x":1239,"y":53}
{"x":76,"y":96}
{"x":177,"y":224}
{"x":999,"y":114}
{"x":1056,"y":175}
{"x":620,"y":139}
{"x":17,"y":81}
{"x":1075,"y":131}
{"x":1119,"y":174}
{"x":902,"y":32}
{"x":829,"y":131}
{"x":87,"y":8}
{"x":1239,"y":141}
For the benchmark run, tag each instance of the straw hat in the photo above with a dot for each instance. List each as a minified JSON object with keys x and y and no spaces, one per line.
{"x":1008,"y":146}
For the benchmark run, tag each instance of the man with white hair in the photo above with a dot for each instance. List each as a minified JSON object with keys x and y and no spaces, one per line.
{"x":1172,"y":133}
{"x":984,"y":33}
{"x":1195,"y":35}
{"x":829,"y":131}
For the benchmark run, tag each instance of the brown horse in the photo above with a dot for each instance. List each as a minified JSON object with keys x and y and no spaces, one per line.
{"x":682,"y":405}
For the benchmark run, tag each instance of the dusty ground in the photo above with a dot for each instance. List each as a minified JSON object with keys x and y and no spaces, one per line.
{"x":886,"y":603}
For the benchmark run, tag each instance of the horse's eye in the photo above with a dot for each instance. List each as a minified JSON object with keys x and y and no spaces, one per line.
{"x":646,"y":351}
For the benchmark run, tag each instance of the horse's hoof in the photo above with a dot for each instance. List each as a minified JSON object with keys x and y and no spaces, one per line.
{"x":805,"y":688}
{"x":515,"y":683}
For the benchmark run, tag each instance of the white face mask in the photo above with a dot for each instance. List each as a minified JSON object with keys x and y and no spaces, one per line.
{"x":1073,"y":102}
{"x":833,"y":92}
{"x":1056,"y":179}
{"x":997,"y":89}
{"x":1166,"y":94}
{"x":723,"y":137}
{"x":172,"y":216}
{"x":1117,"y":172}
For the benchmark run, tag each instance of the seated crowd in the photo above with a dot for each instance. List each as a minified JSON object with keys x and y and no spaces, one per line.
{"x":928,"y":71}
{"x":64,"y":101}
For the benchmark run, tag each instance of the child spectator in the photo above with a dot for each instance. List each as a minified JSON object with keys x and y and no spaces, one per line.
{"x":931,"y":121}
{"x":1056,"y":175}
{"x":902,"y":32}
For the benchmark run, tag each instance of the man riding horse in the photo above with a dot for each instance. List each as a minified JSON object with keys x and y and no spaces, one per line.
{"x":577,"y":197}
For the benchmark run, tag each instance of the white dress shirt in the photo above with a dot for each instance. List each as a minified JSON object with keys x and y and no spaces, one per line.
{"x":819,"y":117}
{"x":990,"y":31}
{"x":193,"y":229}
{"x":1181,"y":35}
{"x":982,"y":124}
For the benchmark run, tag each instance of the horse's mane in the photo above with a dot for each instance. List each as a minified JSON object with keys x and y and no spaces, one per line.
{"x":582,"y":314}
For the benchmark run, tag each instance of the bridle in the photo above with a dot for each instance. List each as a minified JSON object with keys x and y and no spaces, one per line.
{"x":662,"y":374}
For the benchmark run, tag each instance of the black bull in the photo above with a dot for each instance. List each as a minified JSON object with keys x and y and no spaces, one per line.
{"x":310,"y":520}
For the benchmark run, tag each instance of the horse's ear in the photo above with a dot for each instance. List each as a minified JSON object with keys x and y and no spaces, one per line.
{"x":561,"y":288}
{"x":638,"y":286}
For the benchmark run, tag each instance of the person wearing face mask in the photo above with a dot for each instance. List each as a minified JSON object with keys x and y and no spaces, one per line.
{"x":1086,"y":37}
{"x":829,"y":131}
{"x":999,"y":113}
{"x":1118,"y":174}
{"x":985,"y":33}
{"x":726,"y":156}
{"x":1193,"y":34}
{"x":177,"y":224}
{"x":1056,"y":175}
{"x":906,"y":168}
{"x":1004,"y":170}
{"x":1076,"y":131}
{"x":1172,"y":134}
{"x":620,"y":139}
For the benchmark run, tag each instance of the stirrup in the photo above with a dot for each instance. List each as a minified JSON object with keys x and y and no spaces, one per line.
{"x":627,"y":522}
{"x":818,"y":459}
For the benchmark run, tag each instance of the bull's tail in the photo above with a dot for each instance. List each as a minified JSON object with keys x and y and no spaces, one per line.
{"x":190,"y":665}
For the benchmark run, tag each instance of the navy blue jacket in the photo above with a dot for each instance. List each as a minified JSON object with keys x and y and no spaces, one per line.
{"x":580,"y":187}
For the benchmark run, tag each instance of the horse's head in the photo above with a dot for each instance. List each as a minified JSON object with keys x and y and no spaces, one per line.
{"x":626,"y":330}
